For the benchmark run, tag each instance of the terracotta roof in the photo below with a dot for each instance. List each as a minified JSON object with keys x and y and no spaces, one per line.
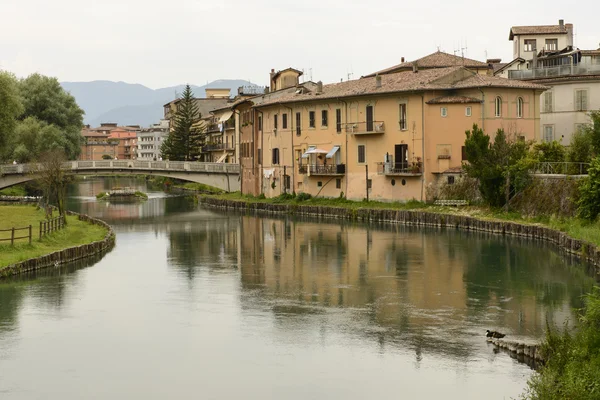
{"x":453,"y":99}
{"x":432,"y":79}
{"x":537,"y":30}
{"x":590,"y":52}
{"x":564,"y":78}
{"x":276,"y":74}
{"x":508,"y":64}
{"x":498,"y":66}
{"x":439,"y":59}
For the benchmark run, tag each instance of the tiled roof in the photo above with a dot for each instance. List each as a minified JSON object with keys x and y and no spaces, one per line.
{"x":536,"y":30}
{"x":453,"y":99}
{"x":432,"y":79}
{"x":590,"y":52}
{"x":497,"y":66}
{"x":439,"y":59}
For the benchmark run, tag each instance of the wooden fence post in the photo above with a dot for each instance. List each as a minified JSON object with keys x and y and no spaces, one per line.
{"x":41,"y":222}
{"x":12,"y":236}
{"x":30,"y":234}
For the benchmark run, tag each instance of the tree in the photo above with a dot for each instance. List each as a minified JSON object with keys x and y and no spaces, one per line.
{"x":500,"y":167}
{"x":32,"y":137}
{"x":589,"y":192}
{"x":53,"y":178}
{"x":44,"y":99}
{"x":185,"y":141}
{"x":10,"y":109}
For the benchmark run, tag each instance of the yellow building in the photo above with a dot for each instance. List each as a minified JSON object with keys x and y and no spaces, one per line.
{"x":382,"y":137}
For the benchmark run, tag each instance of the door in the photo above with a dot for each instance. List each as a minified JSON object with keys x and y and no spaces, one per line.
{"x":369,"y":118}
{"x":400,"y":156}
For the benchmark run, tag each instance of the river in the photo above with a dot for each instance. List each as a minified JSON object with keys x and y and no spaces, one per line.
{"x":199,"y":303}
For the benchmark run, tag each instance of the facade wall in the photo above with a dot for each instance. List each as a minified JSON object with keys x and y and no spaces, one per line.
{"x":519,"y":44}
{"x":149,"y":144}
{"x":95,"y":152}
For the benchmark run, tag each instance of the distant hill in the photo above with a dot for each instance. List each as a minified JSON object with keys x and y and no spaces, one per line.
{"x":133,"y":104}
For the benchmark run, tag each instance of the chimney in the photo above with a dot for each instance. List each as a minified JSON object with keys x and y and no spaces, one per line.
{"x":272,"y":83}
{"x":240,"y":90}
{"x":267,"y":91}
{"x":415,"y":67}
{"x":320,"y":87}
{"x":569,"y":29}
{"x":402,"y":59}
{"x":377,"y":81}
{"x":561,"y":23}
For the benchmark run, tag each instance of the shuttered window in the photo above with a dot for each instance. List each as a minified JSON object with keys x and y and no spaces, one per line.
{"x":581,"y":96}
{"x":361,"y":153}
{"x":548,"y":106}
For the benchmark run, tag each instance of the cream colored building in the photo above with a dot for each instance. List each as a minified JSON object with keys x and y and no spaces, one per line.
{"x":384,"y":137}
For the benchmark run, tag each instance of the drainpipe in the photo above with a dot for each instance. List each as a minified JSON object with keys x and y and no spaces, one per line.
{"x":262,"y":150}
{"x":422,"y":143}
{"x":347,"y":150}
{"x":293,"y":182}
{"x":482,"y":110}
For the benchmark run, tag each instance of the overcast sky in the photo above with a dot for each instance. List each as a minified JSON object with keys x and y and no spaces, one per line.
{"x":168,"y":42}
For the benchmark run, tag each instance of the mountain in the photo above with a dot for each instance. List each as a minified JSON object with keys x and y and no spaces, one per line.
{"x":133,"y":104}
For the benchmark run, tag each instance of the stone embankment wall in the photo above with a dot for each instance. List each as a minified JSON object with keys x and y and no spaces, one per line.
{"x":19,"y":199}
{"x":531,"y":352}
{"x":585,"y":250}
{"x":67,"y":255}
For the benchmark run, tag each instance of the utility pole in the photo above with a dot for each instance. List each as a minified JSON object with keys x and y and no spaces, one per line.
{"x":367,"y":180}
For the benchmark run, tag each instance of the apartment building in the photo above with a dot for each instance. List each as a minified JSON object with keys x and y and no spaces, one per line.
{"x":384,"y":137}
{"x":127,"y":143}
{"x":100,"y":143}
{"x":150,"y":140}
{"x":546,"y":55}
{"x":215,"y":98}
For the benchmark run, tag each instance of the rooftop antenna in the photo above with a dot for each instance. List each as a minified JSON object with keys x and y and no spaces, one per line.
{"x":310,"y":74}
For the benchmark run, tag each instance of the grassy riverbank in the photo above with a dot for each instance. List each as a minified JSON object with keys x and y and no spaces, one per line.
{"x":574,"y":227}
{"x":76,"y":233}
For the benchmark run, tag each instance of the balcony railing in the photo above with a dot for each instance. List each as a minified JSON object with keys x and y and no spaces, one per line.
{"x":550,"y":72}
{"x":400,"y":169}
{"x":560,"y":168}
{"x":320,"y":169}
{"x":217,"y":147}
{"x":366,"y":128}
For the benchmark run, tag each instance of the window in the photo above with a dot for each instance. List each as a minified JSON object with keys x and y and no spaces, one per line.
{"x":259,"y":156}
{"x":324,"y":117}
{"x":444,"y":112}
{"x":311,"y":119}
{"x":275,"y":157}
{"x":450,"y":180}
{"x":320,"y":183}
{"x":551,"y":45}
{"x":529,"y":45}
{"x":498,"y":106}
{"x":298,"y":120}
{"x":581,"y":100}
{"x":403,"y":123}
{"x":260,"y":122}
{"x":468,"y":111}
{"x":275,"y":122}
{"x":287,"y":182}
{"x":361,"y":153}
{"x":548,"y":133}
{"x":338,"y":183}
{"x":548,"y":107}
{"x":284,"y":121}
{"x":338,"y":120}
{"x":463,"y":151}
{"x":519,"y":107}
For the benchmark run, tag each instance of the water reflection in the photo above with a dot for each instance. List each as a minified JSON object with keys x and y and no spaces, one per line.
{"x":290,"y":307}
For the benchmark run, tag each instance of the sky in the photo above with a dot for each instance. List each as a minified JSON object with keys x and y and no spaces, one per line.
{"x":169,"y":42}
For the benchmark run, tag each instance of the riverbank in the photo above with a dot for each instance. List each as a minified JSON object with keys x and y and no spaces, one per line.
{"x":80,"y":231}
{"x":571,"y":235}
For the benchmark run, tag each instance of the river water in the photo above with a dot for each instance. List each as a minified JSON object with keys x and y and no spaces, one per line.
{"x":198,"y":303}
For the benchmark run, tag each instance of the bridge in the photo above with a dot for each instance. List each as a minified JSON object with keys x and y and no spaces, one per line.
{"x":220,"y":175}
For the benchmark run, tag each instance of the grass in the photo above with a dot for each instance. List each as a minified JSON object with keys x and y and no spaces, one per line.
{"x":200,"y":187}
{"x":14,"y":191}
{"x":76,"y":233}
{"x":574,"y":227}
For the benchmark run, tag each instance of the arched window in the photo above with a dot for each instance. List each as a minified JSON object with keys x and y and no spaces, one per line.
{"x":498,"y":106}
{"x":519,"y":107}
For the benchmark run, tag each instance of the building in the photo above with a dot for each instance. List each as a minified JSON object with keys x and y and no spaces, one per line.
{"x":96,"y":145}
{"x":215,"y":98}
{"x":220,"y":136}
{"x":546,"y":55}
{"x":149,"y":141}
{"x":127,"y":143}
{"x":384,"y":137}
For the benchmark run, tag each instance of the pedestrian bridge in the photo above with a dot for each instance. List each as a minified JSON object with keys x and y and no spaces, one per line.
{"x":220,"y":175}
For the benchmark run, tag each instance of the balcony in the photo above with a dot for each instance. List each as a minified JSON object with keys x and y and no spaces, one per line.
{"x":217,"y":147}
{"x":551,"y":72}
{"x":366,"y":128}
{"x":320,"y":169}
{"x":400,"y":169}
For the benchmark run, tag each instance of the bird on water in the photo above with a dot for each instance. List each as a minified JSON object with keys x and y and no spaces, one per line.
{"x":494,"y":334}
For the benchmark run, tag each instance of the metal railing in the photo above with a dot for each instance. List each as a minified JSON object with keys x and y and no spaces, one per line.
{"x":217,"y":147}
{"x":129,"y":164}
{"x":560,"y":168}
{"x":561,"y":70}
{"x":363,"y":128}
{"x":320,"y":169}
{"x":403,"y":168}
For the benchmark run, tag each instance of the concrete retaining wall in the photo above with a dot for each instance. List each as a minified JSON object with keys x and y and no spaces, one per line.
{"x":67,"y":255}
{"x":584,"y":250}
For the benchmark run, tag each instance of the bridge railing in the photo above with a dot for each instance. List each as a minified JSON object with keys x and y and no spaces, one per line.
{"x":130,"y":164}
{"x":560,"y":168}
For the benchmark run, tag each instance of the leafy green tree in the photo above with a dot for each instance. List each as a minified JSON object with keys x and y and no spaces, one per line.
{"x":32,"y":138}
{"x":500,"y":167}
{"x":44,"y":99}
{"x":10,"y":109}
{"x":550,"y":152}
{"x":589,"y":192}
{"x":185,"y":141}
{"x":581,"y":148}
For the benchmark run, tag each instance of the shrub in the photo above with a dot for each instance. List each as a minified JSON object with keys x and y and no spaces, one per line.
{"x":545,"y":197}
{"x":550,"y":152}
{"x":589,"y":192}
{"x":303,"y":196}
{"x":463,"y":188}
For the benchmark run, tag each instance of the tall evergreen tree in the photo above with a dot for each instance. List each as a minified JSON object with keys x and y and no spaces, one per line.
{"x":185,"y":140}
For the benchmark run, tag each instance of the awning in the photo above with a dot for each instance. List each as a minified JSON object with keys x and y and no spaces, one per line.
{"x":226,"y":116}
{"x":332,"y":152}
{"x":313,"y":150}
{"x":222,"y":158}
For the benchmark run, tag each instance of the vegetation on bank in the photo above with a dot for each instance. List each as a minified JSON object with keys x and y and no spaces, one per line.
{"x":14,"y":191}
{"x":572,"y":369}
{"x":134,"y":195}
{"x":74,"y":234}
